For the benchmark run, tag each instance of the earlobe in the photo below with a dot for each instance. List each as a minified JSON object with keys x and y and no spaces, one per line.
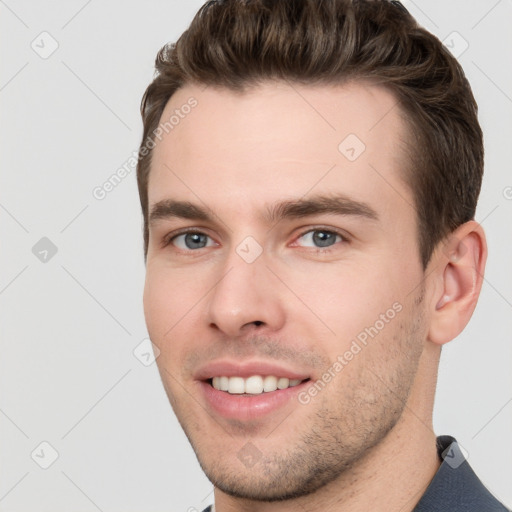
{"x":460,"y":263}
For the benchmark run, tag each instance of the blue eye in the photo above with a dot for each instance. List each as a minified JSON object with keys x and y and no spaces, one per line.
{"x":191,"y":240}
{"x":315,"y":238}
{"x":321,"y":238}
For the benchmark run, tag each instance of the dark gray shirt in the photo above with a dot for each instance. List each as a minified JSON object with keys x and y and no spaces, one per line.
{"x":455,"y":487}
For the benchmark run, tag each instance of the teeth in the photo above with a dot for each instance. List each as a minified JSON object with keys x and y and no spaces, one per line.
{"x":283,"y":383}
{"x":223,"y":383}
{"x":236,"y":385}
{"x":270,"y":383}
{"x":254,"y":385}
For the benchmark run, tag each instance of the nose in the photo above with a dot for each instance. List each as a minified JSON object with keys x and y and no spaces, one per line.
{"x":246,"y":297}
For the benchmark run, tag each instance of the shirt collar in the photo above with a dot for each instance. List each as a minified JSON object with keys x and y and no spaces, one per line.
{"x":455,"y":486}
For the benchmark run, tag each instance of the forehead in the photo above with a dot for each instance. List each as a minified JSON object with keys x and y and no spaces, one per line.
{"x":280,"y":140}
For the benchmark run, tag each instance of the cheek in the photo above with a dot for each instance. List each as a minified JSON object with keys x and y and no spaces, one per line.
{"x":347,"y":298}
{"x":169,"y":299}
{"x":165,"y":309}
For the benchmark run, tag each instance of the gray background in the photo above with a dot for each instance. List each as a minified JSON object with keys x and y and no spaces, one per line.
{"x":71,"y":323}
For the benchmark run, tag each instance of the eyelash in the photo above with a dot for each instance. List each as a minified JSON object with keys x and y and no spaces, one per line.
{"x":344,"y":238}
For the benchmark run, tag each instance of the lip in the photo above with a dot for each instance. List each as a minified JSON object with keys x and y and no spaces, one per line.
{"x":226,"y":368}
{"x":248,"y":407}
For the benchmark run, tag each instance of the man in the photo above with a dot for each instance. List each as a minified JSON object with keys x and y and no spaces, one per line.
{"x":308,"y":175}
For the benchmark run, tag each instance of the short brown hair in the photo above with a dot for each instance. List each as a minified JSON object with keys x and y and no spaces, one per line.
{"x":241,"y":43}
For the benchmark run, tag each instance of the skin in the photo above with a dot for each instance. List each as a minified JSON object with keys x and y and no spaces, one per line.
{"x":300,"y":304}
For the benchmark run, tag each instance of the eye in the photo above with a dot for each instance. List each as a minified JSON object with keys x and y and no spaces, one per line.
{"x":190,"y":240}
{"x":316,"y":238}
{"x":320,"y":238}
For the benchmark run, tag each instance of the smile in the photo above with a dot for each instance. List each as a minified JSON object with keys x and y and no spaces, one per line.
{"x":253,"y":385}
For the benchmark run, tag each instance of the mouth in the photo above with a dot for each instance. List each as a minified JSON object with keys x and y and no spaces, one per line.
{"x":253,"y":385}
{"x":254,"y":398}
{"x":250,"y":390}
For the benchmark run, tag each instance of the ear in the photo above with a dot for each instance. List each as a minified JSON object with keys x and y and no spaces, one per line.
{"x":459,"y":270}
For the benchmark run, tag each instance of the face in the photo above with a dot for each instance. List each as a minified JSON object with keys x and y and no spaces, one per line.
{"x":282,"y":280}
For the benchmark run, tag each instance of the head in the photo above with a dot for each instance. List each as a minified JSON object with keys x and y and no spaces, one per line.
{"x":308,"y":176}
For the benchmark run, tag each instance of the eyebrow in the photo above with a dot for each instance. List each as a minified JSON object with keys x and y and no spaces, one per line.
{"x":291,"y":209}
